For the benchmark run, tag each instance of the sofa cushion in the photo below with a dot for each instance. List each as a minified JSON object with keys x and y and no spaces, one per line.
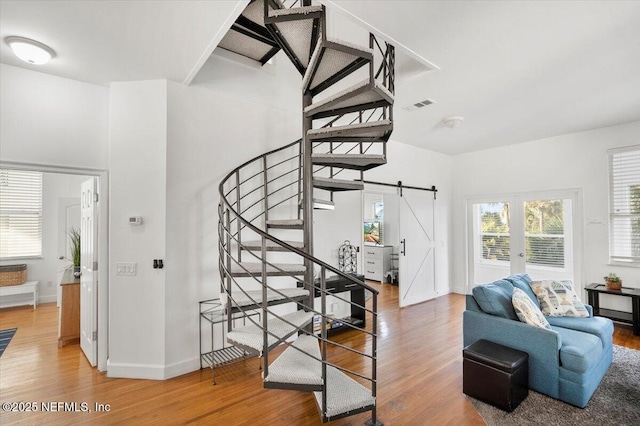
{"x":579,"y":351}
{"x":522,"y":281}
{"x":527,"y":311}
{"x":495,"y":298}
{"x":597,"y":326}
{"x":557,"y":299}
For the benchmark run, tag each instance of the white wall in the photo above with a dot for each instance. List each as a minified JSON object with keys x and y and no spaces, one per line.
{"x":54,"y":187}
{"x":52,"y":120}
{"x":138,"y":158}
{"x":574,"y":161}
{"x":209,"y":134}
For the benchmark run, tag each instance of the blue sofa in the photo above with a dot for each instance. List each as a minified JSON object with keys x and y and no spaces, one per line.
{"x":566,"y":362}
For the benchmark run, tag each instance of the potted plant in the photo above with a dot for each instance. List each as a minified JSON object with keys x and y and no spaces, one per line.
{"x":613,"y":281}
{"x":74,"y":239}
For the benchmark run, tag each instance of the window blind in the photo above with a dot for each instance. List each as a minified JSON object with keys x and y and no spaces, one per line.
{"x":20,"y":213}
{"x":624,"y":205}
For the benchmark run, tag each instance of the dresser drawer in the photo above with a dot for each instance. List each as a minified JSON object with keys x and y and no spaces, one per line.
{"x":371,"y":252}
{"x":373,"y":272}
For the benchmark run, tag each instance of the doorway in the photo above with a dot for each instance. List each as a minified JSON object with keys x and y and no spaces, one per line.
{"x":404,"y":219}
{"x":535,"y":233}
{"x":66,"y":208}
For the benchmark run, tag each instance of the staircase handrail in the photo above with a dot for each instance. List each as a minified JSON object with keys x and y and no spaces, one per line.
{"x":260,"y":232}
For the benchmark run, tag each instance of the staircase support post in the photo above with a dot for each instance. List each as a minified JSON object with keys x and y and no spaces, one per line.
{"x":307,"y":196}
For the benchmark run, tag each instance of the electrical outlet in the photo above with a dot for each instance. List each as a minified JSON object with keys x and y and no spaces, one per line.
{"x":126,"y":268}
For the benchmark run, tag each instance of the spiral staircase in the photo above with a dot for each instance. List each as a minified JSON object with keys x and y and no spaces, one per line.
{"x":267,"y":207}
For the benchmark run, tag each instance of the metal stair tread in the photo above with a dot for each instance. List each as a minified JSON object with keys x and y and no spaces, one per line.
{"x":344,"y":395}
{"x":254,"y":297}
{"x":271,"y":245}
{"x":274,"y":269}
{"x":285,"y":223}
{"x":251,"y":336}
{"x":349,"y":161}
{"x":337,"y":184}
{"x":333,"y":63}
{"x":321,"y":204}
{"x":294,"y":367}
{"x":304,"y":10}
{"x":372,"y":125}
{"x":364,"y":92}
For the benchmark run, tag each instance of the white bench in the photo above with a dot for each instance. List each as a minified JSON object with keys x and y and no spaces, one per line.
{"x":26,"y":288}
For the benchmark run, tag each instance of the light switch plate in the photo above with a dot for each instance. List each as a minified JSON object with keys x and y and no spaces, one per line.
{"x":126,"y":268}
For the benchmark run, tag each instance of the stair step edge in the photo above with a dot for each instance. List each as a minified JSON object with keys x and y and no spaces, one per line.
{"x":251,"y":336}
{"x":296,"y":368}
{"x":344,"y":395}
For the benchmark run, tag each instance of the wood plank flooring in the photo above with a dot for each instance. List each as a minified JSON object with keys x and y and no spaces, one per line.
{"x":420,"y":377}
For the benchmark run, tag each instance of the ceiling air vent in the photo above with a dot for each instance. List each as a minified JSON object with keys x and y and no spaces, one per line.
{"x":419,"y":105}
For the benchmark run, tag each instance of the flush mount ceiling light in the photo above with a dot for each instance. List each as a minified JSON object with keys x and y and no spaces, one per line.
{"x":29,"y":50}
{"x":453,"y":122}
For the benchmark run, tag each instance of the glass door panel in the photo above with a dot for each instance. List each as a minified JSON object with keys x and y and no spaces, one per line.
{"x":491,"y":241}
{"x":548,"y":239}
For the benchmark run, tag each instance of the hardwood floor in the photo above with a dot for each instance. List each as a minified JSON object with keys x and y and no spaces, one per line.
{"x":420,"y":377}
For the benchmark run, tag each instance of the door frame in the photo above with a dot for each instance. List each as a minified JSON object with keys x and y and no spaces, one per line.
{"x":103,"y":244}
{"x":575,"y":194}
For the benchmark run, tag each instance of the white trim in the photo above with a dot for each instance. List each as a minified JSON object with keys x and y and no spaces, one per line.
{"x":135,"y":371}
{"x":222,"y":31}
{"x":49,"y":298}
{"x":103,"y":240}
{"x":152,"y":371}
{"x":623,"y":149}
{"x":182,"y":367}
{"x":577,"y":228}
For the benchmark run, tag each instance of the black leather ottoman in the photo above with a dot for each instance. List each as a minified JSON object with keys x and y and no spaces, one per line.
{"x":495,"y":374}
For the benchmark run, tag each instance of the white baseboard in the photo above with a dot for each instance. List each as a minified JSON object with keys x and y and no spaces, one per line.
{"x":458,"y":290}
{"x":180,"y":368}
{"x":151,"y":372}
{"x":135,"y":371}
{"x":47,"y":299}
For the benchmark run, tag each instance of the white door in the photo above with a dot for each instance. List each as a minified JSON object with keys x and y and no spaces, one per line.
{"x":532,"y":233}
{"x":88,"y":263}
{"x":417,"y":247}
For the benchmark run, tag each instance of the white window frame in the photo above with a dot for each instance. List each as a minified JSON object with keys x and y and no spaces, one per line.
{"x":617,"y":249}
{"x":11,"y":208}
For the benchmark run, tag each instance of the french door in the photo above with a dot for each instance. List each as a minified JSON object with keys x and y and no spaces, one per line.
{"x":536,"y":233}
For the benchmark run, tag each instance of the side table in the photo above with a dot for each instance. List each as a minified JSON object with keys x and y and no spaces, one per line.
{"x":594,"y":290}
{"x":213,"y":313}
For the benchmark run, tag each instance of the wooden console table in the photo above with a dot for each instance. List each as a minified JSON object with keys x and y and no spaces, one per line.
{"x":594,"y":290}
{"x":69,"y":313}
{"x":338,"y":284}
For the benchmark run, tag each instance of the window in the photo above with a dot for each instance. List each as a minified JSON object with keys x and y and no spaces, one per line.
{"x":624,"y":205}
{"x":20,"y":214}
{"x":495,"y":235}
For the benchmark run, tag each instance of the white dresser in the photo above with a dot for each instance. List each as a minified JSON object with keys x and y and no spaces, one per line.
{"x":377,"y":261}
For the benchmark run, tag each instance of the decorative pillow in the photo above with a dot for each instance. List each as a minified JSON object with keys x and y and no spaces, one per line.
{"x":495,"y":299}
{"x":558,"y":299}
{"x":527,"y":310}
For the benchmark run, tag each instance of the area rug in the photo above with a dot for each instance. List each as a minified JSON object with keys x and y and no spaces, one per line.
{"x":5,"y":338}
{"x":616,"y":402}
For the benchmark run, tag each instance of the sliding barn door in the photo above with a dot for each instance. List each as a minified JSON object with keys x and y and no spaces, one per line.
{"x":417,"y":247}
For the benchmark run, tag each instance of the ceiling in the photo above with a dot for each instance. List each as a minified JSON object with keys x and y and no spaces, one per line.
{"x":517,"y":71}
{"x":104,"y":41}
